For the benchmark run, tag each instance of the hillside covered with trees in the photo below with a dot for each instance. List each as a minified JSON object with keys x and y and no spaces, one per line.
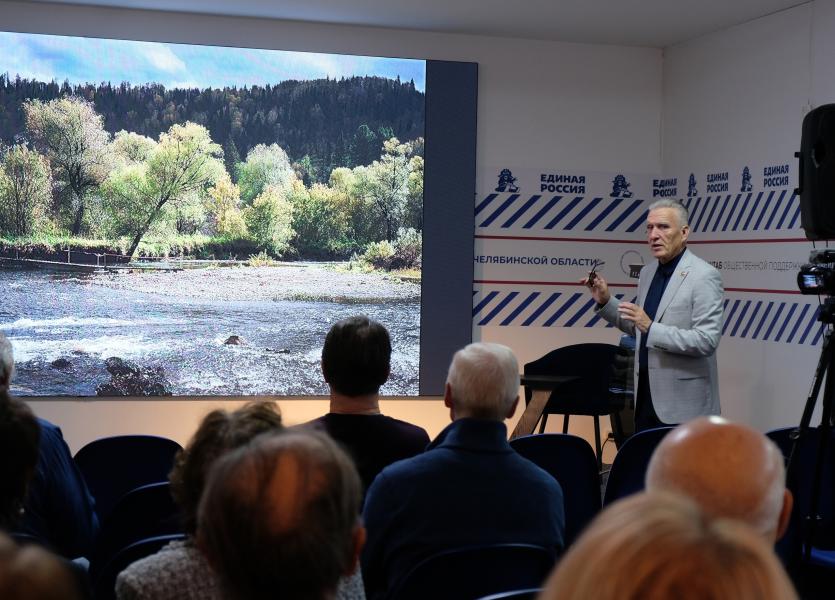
{"x":321,"y":174}
{"x":322,"y":123}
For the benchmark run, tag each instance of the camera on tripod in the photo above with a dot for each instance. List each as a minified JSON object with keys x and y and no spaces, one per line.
{"x":810,"y":457}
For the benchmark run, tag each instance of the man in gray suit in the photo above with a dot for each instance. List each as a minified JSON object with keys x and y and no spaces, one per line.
{"x":677,"y":322}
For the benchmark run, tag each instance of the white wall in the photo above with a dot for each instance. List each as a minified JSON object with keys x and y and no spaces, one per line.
{"x":736,"y":92}
{"x":734,"y":98}
{"x":541,"y":104}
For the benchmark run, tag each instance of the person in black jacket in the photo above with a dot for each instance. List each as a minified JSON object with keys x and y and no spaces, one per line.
{"x":356,"y":359}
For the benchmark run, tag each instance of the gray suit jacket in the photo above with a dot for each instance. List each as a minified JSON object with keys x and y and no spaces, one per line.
{"x":682,"y":341}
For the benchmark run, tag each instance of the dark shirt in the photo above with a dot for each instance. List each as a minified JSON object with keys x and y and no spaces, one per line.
{"x":374,"y":441}
{"x":653,"y":299}
{"x":469,"y":488}
{"x":59,"y":509}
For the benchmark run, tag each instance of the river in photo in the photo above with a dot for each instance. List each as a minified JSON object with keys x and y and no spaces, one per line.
{"x":180,"y":321}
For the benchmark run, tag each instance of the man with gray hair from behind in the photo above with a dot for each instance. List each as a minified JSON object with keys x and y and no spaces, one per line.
{"x":728,"y":469}
{"x":469,"y":488}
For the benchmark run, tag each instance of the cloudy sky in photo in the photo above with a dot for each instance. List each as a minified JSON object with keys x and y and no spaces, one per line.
{"x":90,"y":60}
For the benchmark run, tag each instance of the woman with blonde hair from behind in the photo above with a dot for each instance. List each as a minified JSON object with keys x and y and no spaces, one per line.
{"x":656,"y":546}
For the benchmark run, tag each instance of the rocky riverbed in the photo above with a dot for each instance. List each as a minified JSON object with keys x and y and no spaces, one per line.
{"x":213,"y":331}
{"x":293,"y":281}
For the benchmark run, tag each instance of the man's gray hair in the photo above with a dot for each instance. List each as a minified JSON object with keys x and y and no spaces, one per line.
{"x":6,"y":362}
{"x":681,"y":210}
{"x":484,"y":380}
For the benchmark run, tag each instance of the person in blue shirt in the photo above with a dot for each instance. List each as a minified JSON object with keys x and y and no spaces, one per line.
{"x":469,"y":487}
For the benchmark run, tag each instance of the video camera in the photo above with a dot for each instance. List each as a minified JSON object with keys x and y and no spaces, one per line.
{"x":818,"y":277}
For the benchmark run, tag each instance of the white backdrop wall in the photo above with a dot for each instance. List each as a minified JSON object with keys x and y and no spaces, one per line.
{"x":736,"y":99}
{"x":543,"y":106}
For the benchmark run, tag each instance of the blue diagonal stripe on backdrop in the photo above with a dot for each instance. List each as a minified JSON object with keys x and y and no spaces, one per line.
{"x":775,"y":209}
{"x":721,"y":212}
{"x":484,"y":302}
{"x":521,"y":211}
{"x":499,"y":307}
{"x":774,"y":321}
{"x":622,"y":217}
{"x":785,"y":324}
{"x":687,"y":203}
{"x":606,"y":211}
{"x":819,"y":334}
{"x":753,"y":211}
{"x":638,"y":223}
{"x":712,"y":211}
{"x":563,"y":212}
{"x":785,"y":211}
{"x":581,"y":215}
{"x":562,"y":309}
{"x":698,"y":221}
{"x":746,"y":206}
{"x":730,"y":316}
{"x":764,"y":210}
{"x":542,"y":308}
{"x":794,"y":218}
{"x":731,"y":213}
{"x":707,"y":209}
{"x":541,"y":212}
{"x":742,"y":211}
{"x":485,"y":202}
{"x":740,"y":318}
{"x":495,"y":214}
{"x":694,"y":211}
{"x":751,"y":320}
{"x":811,"y":324}
{"x":797,"y":324}
{"x":522,"y":306}
{"x":762,"y":321}
{"x":583,"y":310}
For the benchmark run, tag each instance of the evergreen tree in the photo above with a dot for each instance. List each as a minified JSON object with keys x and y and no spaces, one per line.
{"x":231,"y":158}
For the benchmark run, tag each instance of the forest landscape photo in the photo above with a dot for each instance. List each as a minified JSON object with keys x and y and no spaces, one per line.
{"x":190,"y":220}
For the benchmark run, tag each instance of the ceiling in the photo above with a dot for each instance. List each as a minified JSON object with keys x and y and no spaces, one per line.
{"x":654,"y":23}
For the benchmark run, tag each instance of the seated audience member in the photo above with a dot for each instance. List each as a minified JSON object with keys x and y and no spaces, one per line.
{"x":355,"y":363}
{"x":19,"y":439}
{"x":728,"y":469}
{"x":469,"y":487}
{"x":32,"y":573}
{"x":280,"y":518}
{"x":59,"y":510}
{"x":179,"y":570}
{"x":659,"y":546}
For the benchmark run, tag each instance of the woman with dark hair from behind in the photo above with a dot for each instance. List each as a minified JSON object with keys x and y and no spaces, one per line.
{"x":19,"y":439}
{"x":179,"y":570}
